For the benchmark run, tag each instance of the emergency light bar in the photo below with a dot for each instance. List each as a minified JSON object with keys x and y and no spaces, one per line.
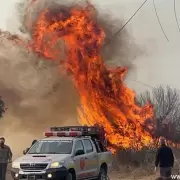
{"x":86,"y":130}
{"x":96,"y":132}
{"x":63,"y":133}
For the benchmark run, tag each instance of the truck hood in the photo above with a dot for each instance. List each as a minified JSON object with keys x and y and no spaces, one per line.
{"x":39,"y":158}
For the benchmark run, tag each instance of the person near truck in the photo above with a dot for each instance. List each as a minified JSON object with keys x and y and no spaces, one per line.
{"x":5,"y":158}
{"x":164,"y":159}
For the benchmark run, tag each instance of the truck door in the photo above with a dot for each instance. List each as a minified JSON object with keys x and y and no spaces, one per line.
{"x":79,"y":160}
{"x":91,"y":158}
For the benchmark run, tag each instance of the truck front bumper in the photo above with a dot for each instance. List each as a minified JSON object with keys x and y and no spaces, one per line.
{"x":49,"y":174}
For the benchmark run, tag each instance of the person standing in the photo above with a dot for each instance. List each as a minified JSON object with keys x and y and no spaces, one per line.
{"x":164,"y":159}
{"x":5,"y":158}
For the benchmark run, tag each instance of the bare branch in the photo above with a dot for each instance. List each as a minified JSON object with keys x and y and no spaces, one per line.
{"x":166,"y":101}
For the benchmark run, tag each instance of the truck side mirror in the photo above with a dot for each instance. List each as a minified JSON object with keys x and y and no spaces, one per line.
{"x":25,"y":151}
{"x":79,"y":152}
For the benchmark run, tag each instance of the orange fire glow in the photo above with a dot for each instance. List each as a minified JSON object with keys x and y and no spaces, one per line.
{"x":105,"y":99}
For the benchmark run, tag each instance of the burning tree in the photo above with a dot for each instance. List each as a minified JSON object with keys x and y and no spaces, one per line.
{"x":2,"y":107}
{"x":166,"y":101}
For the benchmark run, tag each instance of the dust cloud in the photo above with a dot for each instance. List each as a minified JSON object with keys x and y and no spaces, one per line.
{"x":36,"y":94}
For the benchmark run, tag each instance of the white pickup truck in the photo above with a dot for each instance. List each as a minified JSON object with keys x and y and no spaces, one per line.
{"x":65,"y":155}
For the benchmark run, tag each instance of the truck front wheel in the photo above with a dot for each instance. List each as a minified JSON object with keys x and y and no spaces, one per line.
{"x":69,"y":176}
{"x":102,"y":174}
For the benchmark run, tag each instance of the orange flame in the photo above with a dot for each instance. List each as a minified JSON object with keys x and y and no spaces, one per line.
{"x":105,"y":99}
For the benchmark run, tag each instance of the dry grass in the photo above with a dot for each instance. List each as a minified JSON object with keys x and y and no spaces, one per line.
{"x":140,"y":164}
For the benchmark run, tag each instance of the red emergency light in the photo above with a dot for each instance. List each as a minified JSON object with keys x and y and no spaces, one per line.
{"x":63,"y":133}
{"x":95,"y":131}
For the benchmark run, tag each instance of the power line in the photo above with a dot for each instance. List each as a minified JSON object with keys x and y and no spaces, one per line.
{"x":144,"y":84}
{"x":147,"y":85}
{"x":175,"y":14}
{"x":125,"y":23}
{"x":159,"y":21}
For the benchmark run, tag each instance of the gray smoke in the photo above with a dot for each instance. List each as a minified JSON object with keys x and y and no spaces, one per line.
{"x":36,"y":94}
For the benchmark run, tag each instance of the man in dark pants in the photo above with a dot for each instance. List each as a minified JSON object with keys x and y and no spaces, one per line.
{"x":5,"y":157}
{"x":165,"y":159}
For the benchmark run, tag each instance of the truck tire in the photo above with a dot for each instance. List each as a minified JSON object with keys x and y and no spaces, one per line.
{"x":69,"y":176}
{"x":102,"y":174}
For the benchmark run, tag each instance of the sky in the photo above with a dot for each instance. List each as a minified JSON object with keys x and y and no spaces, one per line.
{"x":159,"y":63}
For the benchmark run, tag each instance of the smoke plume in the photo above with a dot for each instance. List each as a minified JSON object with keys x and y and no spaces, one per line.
{"x":36,"y":94}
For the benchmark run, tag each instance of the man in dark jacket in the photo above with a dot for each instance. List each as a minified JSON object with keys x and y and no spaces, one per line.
{"x":165,"y":159}
{"x":5,"y":157}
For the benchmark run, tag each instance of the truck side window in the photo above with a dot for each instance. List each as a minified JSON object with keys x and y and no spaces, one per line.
{"x":78,"y":146}
{"x":88,"y":145}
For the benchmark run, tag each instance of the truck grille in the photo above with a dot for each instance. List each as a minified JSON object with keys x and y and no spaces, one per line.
{"x":28,"y":166}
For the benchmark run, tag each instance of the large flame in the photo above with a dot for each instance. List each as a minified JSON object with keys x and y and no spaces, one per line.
{"x":105,"y":99}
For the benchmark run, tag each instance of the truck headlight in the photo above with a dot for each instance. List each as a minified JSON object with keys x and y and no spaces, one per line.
{"x":16,"y":165}
{"x":56,"y":164}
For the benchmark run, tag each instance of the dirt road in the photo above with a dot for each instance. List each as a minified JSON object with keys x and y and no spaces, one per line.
{"x":114,"y":176}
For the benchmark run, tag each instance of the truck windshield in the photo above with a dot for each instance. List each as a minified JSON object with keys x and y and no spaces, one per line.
{"x":51,"y":147}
